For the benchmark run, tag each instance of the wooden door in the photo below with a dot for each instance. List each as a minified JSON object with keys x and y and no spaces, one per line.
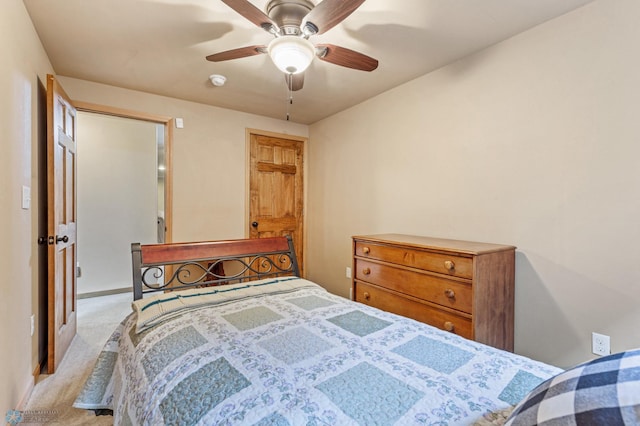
{"x":61,"y":222}
{"x":276,"y":188}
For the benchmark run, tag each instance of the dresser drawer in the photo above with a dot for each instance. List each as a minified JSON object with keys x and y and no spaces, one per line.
{"x":443,"y":291}
{"x":397,"y":304}
{"x":436,"y":262}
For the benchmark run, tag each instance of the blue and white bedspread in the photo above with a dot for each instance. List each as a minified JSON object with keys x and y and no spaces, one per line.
{"x":286,"y":352}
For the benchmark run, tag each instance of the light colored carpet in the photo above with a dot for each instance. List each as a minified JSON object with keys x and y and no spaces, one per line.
{"x":53,"y":395}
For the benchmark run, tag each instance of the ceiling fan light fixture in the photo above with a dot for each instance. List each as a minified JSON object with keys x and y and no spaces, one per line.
{"x":291,"y":54}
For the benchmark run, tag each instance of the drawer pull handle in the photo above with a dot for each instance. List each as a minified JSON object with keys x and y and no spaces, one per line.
{"x":449,"y":326}
{"x":367,"y":296}
{"x":449,"y":265}
{"x":450,"y":293}
{"x":366,"y":271}
{"x":366,"y":250}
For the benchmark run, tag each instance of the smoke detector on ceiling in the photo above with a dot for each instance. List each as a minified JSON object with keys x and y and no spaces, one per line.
{"x":217,"y":79}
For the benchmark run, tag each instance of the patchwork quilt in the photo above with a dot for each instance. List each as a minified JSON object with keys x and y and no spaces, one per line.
{"x":286,"y":352}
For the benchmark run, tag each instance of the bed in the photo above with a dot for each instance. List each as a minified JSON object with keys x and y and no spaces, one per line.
{"x":226,"y":333}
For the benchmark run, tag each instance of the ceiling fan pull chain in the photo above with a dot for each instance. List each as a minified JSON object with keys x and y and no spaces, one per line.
{"x":290,"y":90}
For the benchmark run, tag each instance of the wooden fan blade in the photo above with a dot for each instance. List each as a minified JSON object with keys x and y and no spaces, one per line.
{"x":346,"y":57}
{"x":253,"y":14}
{"x":241,"y":52}
{"x":329,"y":13}
{"x":294,"y":81}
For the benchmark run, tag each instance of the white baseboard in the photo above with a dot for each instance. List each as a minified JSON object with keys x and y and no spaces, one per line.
{"x":104,"y":293}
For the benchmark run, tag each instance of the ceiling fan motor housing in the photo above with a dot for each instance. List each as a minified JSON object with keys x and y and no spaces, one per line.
{"x":288,"y":14}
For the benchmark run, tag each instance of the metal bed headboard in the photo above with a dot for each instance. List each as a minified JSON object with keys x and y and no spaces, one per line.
{"x":176,"y":266}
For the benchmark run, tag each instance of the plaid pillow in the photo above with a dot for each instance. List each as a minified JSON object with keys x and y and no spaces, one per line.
{"x":605,"y":391}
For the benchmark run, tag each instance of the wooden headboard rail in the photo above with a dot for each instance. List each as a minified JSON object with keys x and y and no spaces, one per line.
{"x":174,"y":266}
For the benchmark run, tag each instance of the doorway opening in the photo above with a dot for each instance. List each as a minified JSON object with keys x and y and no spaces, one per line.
{"x":163,"y":136}
{"x":121,"y":181}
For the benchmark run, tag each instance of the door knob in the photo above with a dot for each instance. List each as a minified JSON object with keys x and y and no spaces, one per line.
{"x":254,"y":224}
{"x":64,"y":239}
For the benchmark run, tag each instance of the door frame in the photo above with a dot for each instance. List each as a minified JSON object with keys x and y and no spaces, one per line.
{"x":247,"y":204}
{"x":168,"y":123}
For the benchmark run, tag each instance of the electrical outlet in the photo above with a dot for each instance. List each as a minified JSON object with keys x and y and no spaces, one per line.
{"x":33,"y":324}
{"x":348,"y":272}
{"x":600,"y":344}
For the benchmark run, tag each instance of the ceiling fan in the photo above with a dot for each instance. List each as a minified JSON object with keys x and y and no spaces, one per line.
{"x":292,"y":22}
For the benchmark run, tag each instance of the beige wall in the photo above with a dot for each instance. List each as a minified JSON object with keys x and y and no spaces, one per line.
{"x":117,"y":197}
{"x":23,"y":65}
{"x":208,"y":156}
{"x":533,"y":142}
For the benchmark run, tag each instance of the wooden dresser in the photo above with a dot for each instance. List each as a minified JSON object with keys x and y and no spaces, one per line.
{"x":463,"y":287}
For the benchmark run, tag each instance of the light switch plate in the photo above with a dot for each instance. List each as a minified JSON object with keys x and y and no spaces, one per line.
{"x":26,"y":197}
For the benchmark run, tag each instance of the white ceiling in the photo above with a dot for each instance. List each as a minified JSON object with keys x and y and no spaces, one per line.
{"x":159,"y":46}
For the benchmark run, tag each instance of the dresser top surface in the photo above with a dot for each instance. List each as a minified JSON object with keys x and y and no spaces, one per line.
{"x":470,"y":247}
